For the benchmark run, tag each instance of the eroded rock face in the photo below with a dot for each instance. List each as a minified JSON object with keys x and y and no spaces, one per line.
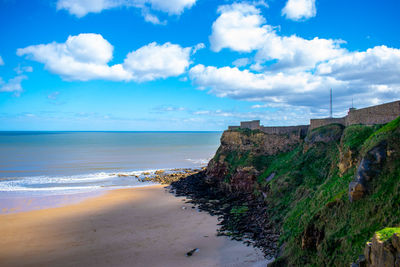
{"x":370,"y":166}
{"x":325,"y":135}
{"x":347,"y":159}
{"x":259,"y":143}
{"x":244,"y":178}
{"x":383,"y":253}
{"x":245,"y":143}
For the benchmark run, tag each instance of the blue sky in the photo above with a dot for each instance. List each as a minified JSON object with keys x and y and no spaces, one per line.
{"x":192,"y":64}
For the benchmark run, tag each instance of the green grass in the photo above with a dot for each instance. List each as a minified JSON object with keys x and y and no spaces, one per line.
{"x":239,"y":210}
{"x":387,"y":233}
{"x":355,"y":135}
{"x":381,"y":135}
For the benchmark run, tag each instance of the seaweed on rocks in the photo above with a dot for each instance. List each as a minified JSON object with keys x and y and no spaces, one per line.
{"x":241,"y":216}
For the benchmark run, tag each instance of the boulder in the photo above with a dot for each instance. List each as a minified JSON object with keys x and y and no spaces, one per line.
{"x":383,"y":253}
{"x":370,"y":167}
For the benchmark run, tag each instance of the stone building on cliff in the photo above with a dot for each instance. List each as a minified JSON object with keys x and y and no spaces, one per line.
{"x":379,"y":114}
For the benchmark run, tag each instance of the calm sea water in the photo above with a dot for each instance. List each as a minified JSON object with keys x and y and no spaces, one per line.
{"x":62,"y":162}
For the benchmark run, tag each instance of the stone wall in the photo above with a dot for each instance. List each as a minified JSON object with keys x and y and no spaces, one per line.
{"x":233,"y":127}
{"x":315,"y":123}
{"x":380,"y":114}
{"x":253,"y":125}
{"x":374,"y":115}
{"x":301,"y":130}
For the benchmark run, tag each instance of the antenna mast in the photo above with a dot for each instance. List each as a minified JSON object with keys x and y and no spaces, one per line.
{"x":330,"y":104}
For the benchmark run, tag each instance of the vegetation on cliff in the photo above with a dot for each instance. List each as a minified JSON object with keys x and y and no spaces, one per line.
{"x":305,"y":186}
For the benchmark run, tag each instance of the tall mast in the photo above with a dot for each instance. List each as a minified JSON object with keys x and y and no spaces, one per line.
{"x":330,"y":104}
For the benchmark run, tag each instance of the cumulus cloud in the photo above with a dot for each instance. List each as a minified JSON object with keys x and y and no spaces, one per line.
{"x":81,"y":8}
{"x":13,"y":85}
{"x":1,"y":61}
{"x":294,"y":52}
{"x":371,"y":77}
{"x":86,"y":56}
{"x":300,"y":87}
{"x":299,"y":9}
{"x":242,"y":28}
{"x":377,"y":65}
{"x":292,"y":72}
{"x":172,"y":7}
{"x":239,"y":27}
{"x":157,"y":61}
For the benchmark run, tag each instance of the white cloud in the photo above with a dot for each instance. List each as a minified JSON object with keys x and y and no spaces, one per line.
{"x":155,"y":61}
{"x":13,"y":85}
{"x":1,"y":61}
{"x":290,"y":72}
{"x":242,"y":28}
{"x":198,"y":47}
{"x":172,"y":7}
{"x":81,"y":8}
{"x":378,"y":65}
{"x":20,"y":70}
{"x":86,"y":56}
{"x":296,"y":52}
{"x":241,"y":62}
{"x":82,"y":57}
{"x":152,"y":18}
{"x":239,"y":27}
{"x":272,"y":87}
{"x":260,"y":106}
{"x":299,"y":9}
{"x":303,"y":88}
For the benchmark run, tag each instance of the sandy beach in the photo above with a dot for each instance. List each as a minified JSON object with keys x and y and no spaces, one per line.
{"x":144,"y":226}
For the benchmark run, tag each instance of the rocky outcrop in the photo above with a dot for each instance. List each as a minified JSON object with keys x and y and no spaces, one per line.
{"x":236,"y":145}
{"x":325,"y":134}
{"x":347,"y":159}
{"x":258,"y":142}
{"x":240,"y":215}
{"x":244,"y":179}
{"x":370,"y":166}
{"x":382,"y":253}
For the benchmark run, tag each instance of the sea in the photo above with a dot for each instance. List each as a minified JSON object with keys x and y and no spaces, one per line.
{"x":60,"y":163}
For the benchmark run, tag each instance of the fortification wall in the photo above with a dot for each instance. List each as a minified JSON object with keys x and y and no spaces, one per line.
{"x":233,"y":127}
{"x":374,"y":115}
{"x":380,"y":114}
{"x":315,"y":123}
{"x":300,"y":129}
{"x":253,"y":125}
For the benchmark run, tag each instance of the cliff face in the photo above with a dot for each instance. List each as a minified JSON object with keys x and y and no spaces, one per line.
{"x":243,"y":154}
{"x":326,"y":194}
{"x":383,"y":250}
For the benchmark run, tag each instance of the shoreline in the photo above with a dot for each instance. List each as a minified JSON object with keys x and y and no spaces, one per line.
{"x":144,"y":226}
{"x":47,"y":197}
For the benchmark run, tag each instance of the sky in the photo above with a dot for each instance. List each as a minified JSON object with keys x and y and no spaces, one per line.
{"x":192,"y":65}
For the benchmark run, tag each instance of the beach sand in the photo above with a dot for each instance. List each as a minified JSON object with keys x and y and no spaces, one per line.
{"x":144,"y":226}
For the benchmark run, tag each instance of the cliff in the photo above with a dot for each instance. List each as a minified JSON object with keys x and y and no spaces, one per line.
{"x":326,"y":194}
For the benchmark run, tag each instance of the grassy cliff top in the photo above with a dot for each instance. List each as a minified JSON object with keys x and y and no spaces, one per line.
{"x":387,"y":233}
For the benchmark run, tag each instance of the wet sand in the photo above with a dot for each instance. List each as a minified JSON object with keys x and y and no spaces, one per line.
{"x":144,"y":226}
